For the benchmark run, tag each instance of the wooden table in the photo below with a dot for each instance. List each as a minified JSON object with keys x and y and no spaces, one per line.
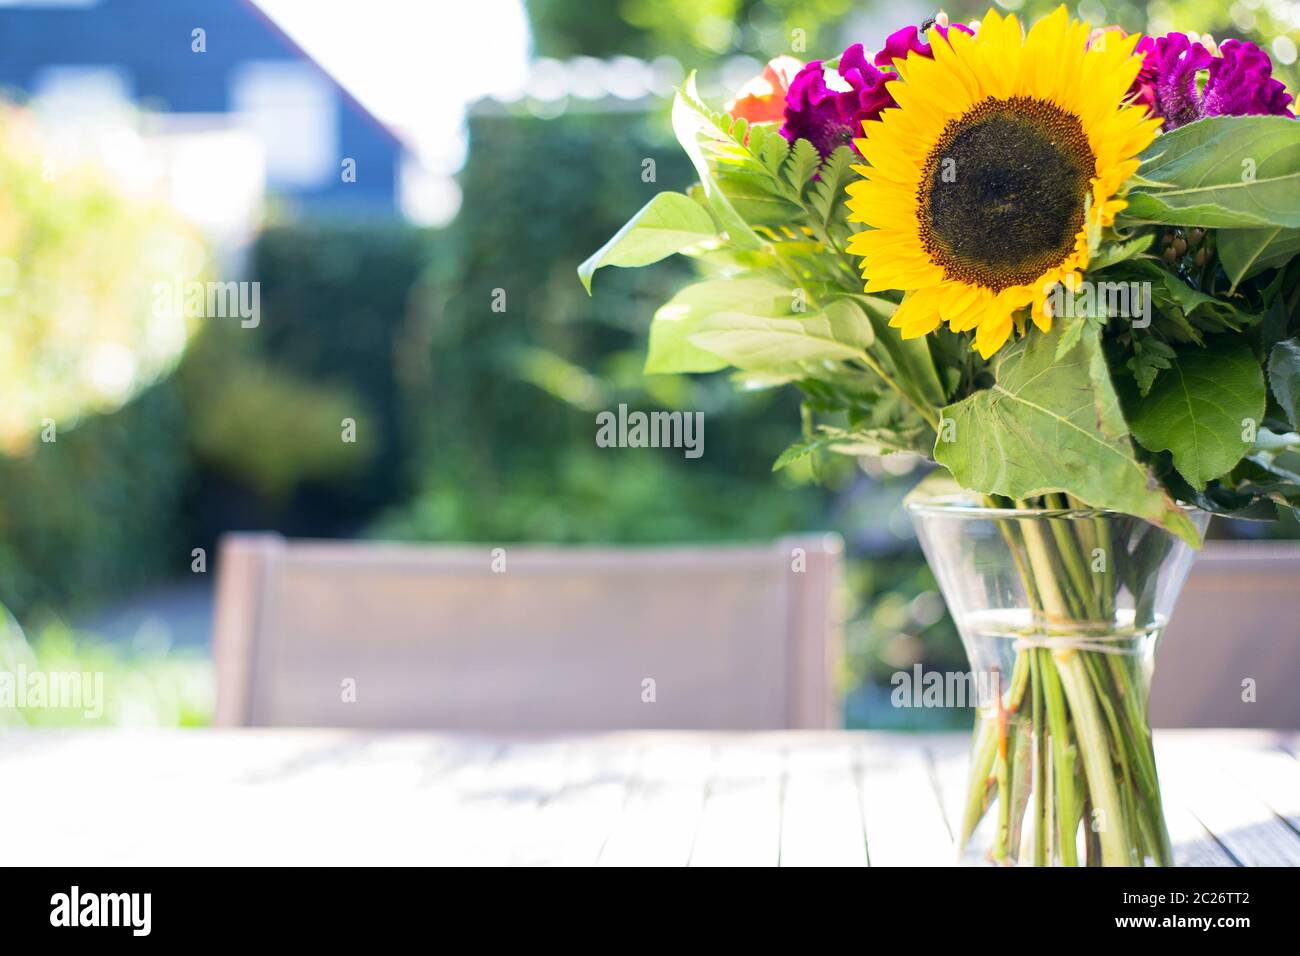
{"x":653,"y":798}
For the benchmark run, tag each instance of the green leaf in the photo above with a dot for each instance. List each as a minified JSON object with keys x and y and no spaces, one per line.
{"x":1112,"y":253}
{"x":827,"y":439}
{"x":1170,"y":292}
{"x":798,"y":451}
{"x":909,"y":359}
{"x":1070,"y":333}
{"x":767,"y":144}
{"x":1220,"y":497}
{"x":681,"y":316}
{"x":829,"y":188}
{"x":1248,"y":252}
{"x":750,"y":194}
{"x":668,"y":223}
{"x":1051,"y":425}
{"x":1150,"y":356}
{"x":694,"y":124}
{"x":1222,"y":171}
{"x":1198,"y":409}
{"x":755,"y":341}
{"x":802,"y":164}
{"x":857,"y":442}
{"x":1284,"y":376}
{"x":1257,"y":480}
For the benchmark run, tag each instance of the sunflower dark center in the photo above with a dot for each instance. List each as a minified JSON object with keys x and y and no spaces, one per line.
{"x":1003,"y":193}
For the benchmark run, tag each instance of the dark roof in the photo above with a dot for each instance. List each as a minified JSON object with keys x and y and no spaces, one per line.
{"x":152,"y":39}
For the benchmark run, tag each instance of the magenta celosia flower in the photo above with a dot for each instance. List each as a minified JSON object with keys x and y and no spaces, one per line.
{"x":867,"y":95}
{"x":902,"y":43}
{"x":1168,"y":77}
{"x":812,"y":111}
{"x":828,"y":117}
{"x":1240,"y":80}
{"x":1241,"y":84}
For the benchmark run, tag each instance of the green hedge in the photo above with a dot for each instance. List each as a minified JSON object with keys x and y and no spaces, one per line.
{"x":340,"y":306}
{"x":95,"y":512}
{"x":507,"y":404}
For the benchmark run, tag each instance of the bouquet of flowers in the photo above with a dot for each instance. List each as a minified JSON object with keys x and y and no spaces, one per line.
{"x":1060,"y":262}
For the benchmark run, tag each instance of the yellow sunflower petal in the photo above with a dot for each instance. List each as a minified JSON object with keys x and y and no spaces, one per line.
{"x":918,"y":315}
{"x":1052,"y":77}
{"x":993,"y":333}
{"x":1042,"y":312}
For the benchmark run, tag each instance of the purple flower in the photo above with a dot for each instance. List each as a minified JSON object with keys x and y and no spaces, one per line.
{"x":867,"y":95}
{"x":1241,"y":84}
{"x":902,"y":43}
{"x":812,"y":111}
{"x":1169,"y":67}
{"x":1240,"y":80}
{"x":827,"y":117}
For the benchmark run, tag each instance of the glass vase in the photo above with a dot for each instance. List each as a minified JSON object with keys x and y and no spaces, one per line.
{"x":1060,"y":613}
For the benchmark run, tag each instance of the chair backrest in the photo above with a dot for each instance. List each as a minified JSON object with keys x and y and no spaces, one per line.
{"x":527,"y":638}
{"x":1231,"y":654}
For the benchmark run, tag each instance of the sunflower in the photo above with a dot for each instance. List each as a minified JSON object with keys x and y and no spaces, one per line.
{"x":1004,"y":155}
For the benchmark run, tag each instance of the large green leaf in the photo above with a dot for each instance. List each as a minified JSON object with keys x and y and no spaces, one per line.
{"x":1284,"y":376}
{"x":750,"y":195}
{"x":756,"y":341}
{"x":1222,"y":171}
{"x":668,"y":223}
{"x":1204,"y":410}
{"x":1248,"y":252}
{"x":1051,"y":425}
{"x":692,"y":125}
{"x":681,"y":316}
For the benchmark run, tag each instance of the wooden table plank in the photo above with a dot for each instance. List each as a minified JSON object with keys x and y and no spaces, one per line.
{"x":460,"y":800}
{"x":821,"y":815}
{"x":662,"y":798}
{"x":1191,"y":769}
{"x":1271,"y":773}
{"x":949,"y":759}
{"x":664,"y":805}
{"x":901,"y":807}
{"x":1192,"y":842}
{"x":499,"y":813}
{"x":741,"y":824}
{"x":571,"y":828}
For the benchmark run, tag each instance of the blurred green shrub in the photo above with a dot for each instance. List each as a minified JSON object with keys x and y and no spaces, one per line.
{"x":505,"y":408}
{"x":340,"y":310}
{"x":631,"y":496}
{"x":80,"y":330}
{"x":268,"y":428}
{"x":687,"y":29}
{"x":249,"y":431}
{"x":89,"y":498}
{"x":96,"y":512}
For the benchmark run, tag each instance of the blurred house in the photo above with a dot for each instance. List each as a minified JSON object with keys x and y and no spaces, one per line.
{"x":230,"y":100}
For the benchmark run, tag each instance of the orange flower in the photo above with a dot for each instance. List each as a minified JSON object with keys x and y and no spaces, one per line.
{"x":762,"y":99}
